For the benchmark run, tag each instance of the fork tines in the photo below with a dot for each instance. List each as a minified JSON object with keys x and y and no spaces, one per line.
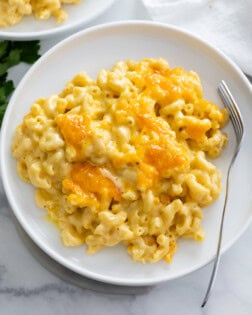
{"x":231,"y":105}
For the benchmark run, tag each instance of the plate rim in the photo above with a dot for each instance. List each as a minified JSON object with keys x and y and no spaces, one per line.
{"x":62,"y":29}
{"x":12,"y":202}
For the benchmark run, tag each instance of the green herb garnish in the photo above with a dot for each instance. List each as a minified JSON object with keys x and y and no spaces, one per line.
{"x":11,"y":54}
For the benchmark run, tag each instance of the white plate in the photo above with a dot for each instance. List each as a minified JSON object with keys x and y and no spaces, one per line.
{"x":78,"y":15}
{"x":100,"y":47}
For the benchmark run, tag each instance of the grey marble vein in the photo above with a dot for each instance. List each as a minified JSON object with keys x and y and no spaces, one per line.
{"x":47,"y":288}
{"x":3,"y":271}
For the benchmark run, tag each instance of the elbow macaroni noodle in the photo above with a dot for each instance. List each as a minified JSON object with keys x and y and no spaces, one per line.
{"x":12,"y":11}
{"x":122,"y":159}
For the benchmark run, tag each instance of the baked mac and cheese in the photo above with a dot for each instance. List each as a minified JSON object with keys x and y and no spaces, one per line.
{"x":123,"y":158}
{"x":12,"y":11}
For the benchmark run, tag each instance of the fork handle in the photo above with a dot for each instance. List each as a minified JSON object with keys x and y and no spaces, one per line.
{"x":217,"y":257}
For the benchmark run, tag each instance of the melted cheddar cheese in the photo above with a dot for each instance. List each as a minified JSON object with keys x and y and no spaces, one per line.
{"x":123,"y":158}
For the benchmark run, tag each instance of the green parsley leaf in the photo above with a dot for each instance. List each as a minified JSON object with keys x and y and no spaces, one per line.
{"x":3,"y":48}
{"x":11,"y":60}
{"x":2,"y":110}
{"x":11,"y":54}
{"x":29,"y":50}
{"x":5,"y":91}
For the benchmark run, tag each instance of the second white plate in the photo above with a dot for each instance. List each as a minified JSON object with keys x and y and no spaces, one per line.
{"x":78,"y":15}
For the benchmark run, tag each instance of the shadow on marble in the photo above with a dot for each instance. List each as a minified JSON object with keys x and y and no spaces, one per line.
{"x":70,"y":276}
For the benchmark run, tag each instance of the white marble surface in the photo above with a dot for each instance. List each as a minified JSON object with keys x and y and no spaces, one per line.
{"x":27,"y":287}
